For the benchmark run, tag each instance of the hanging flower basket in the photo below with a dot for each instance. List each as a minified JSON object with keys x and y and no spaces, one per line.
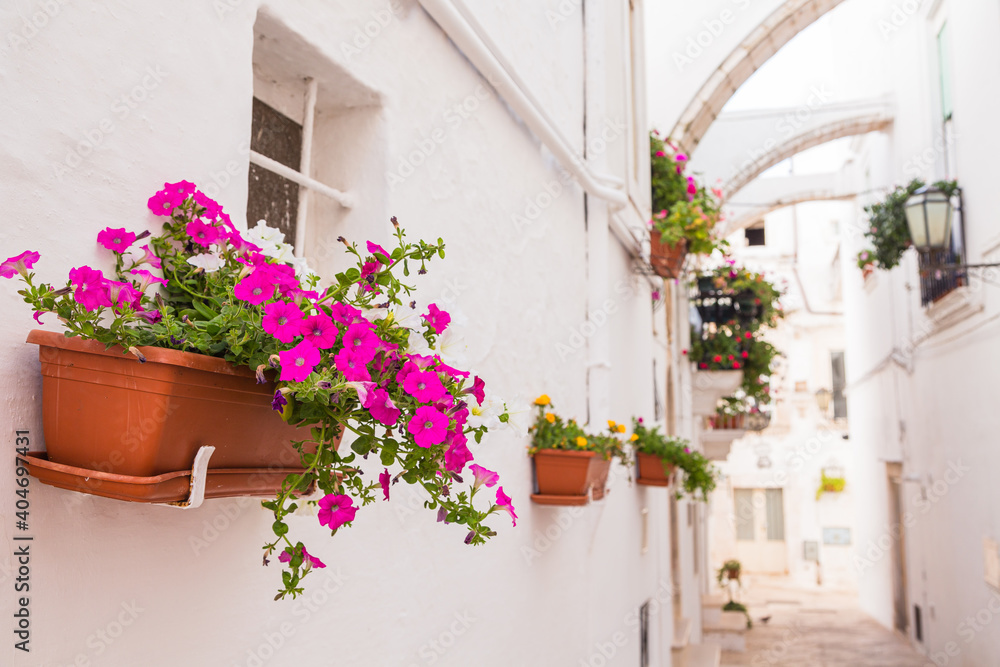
{"x":104,"y":411}
{"x":563,"y":477}
{"x":653,"y":471}
{"x":666,"y":260}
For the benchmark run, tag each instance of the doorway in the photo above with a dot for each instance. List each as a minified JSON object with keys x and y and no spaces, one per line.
{"x":760,"y":530}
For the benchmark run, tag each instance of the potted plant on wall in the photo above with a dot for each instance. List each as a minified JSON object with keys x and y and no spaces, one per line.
{"x":685,"y":212}
{"x":887,"y":232}
{"x":569,"y":463}
{"x":728,"y":577}
{"x":208,"y":319}
{"x":656,"y":454}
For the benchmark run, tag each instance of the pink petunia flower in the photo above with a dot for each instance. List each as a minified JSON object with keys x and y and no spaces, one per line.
{"x":425,"y":386}
{"x":503,"y":503}
{"x":381,"y":407}
{"x":255,"y":288}
{"x":18,"y":264}
{"x":164,"y":202}
{"x":660,"y":154}
{"x":117,"y":240}
{"x":383,"y":479}
{"x":352,"y":365}
{"x":146,"y":279}
{"x":457,"y":454}
{"x":680,"y":157}
{"x":478,"y":390}
{"x":692,"y":188}
{"x":240,"y":245}
{"x":298,"y":362}
{"x":286,"y":557}
{"x":148,"y":257}
{"x":376,"y":250}
{"x":320,"y":331}
{"x":124,"y":294}
{"x":202,"y":233}
{"x":91,"y":289}
{"x":362,"y":341}
{"x":483,"y":476}
{"x":212,"y":207}
{"x":346,"y":314}
{"x":437,"y":318}
{"x":282,"y":320}
{"x":429,"y":426}
{"x":336,"y":510}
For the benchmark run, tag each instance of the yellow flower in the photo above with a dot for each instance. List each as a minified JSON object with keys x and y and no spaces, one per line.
{"x":542,"y":400}
{"x":621,"y":428}
{"x":633,"y":438}
{"x":550,"y":418}
{"x":581,"y":442}
{"x":612,"y":424}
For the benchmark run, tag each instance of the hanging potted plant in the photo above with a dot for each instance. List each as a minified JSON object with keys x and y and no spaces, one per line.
{"x":609,"y":447}
{"x":212,"y":312}
{"x":656,"y":454}
{"x":685,"y":212}
{"x":569,"y":463}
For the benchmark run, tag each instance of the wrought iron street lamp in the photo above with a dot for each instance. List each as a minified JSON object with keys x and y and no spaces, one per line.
{"x":929,"y":213}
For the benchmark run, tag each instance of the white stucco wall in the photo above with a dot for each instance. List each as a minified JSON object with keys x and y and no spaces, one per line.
{"x":400,"y":589}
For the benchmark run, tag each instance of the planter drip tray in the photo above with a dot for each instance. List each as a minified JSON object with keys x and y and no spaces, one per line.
{"x":653,"y":482}
{"x":545,"y":499}
{"x":166,"y":488}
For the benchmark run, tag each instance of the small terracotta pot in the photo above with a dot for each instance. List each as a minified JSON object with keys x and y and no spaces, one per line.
{"x":733,"y":574}
{"x":598,"y":474}
{"x":666,"y":260}
{"x":563,"y":473}
{"x":652,"y":471}
{"x":107,"y":412}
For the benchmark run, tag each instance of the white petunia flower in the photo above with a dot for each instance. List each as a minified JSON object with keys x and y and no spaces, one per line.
{"x":487,"y":414}
{"x":209,"y":262}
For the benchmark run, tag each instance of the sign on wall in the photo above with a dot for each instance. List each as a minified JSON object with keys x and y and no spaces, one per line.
{"x":837,"y":537}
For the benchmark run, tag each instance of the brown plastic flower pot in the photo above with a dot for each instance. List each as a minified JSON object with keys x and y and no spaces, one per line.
{"x":666,"y":260}
{"x":104,"y":411}
{"x":563,"y":474}
{"x":652,"y":471}
{"x":598,"y":474}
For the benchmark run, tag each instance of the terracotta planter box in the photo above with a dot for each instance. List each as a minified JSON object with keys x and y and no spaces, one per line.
{"x":598,"y":473}
{"x":666,"y":260}
{"x":563,"y":477}
{"x":651,"y":471}
{"x":106,"y":412}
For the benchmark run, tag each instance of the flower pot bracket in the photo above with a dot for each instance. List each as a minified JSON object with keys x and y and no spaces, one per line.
{"x":199,"y":475}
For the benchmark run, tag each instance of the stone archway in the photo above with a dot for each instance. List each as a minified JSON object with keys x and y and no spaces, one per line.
{"x":764,"y":41}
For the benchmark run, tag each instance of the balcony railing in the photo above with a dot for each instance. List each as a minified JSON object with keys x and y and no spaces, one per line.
{"x":937,"y":283}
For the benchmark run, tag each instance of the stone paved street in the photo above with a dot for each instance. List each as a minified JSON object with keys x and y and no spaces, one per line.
{"x":811,"y":628}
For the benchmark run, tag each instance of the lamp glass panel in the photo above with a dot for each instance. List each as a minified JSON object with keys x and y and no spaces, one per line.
{"x":939,"y":220}
{"x":915,"y":221}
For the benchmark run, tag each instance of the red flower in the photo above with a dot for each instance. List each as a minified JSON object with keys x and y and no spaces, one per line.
{"x":717,"y":358}
{"x":745,"y":354}
{"x":736,"y":365}
{"x":703,"y":365}
{"x":748,"y":335}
